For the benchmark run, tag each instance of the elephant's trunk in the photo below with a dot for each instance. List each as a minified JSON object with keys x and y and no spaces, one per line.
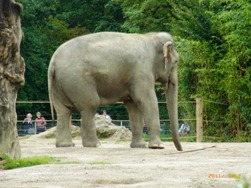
{"x":172,"y":107}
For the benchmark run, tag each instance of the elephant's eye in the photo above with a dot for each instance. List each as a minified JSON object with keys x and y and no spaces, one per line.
{"x":175,"y":60}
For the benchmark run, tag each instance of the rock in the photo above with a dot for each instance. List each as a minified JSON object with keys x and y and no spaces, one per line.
{"x":105,"y":130}
{"x":122,"y":134}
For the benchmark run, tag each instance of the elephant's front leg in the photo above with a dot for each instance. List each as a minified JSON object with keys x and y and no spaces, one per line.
{"x":88,"y":130}
{"x":151,"y":115}
{"x":136,"y":123}
{"x":148,"y":104}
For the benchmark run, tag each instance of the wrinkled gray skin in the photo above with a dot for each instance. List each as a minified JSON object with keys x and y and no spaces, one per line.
{"x":102,"y":68}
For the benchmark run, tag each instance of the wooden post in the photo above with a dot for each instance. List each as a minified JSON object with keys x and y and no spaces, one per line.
{"x":199,"y":120}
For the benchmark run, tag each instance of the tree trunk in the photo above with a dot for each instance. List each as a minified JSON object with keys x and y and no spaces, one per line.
{"x":12,"y":69}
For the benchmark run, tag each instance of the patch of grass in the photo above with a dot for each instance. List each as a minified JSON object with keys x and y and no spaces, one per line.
{"x":68,"y":162}
{"x":169,"y":138}
{"x":241,"y":179}
{"x":166,"y":139}
{"x":9,"y":163}
{"x":188,"y":139}
{"x":146,"y":137}
{"x":100,"y":163}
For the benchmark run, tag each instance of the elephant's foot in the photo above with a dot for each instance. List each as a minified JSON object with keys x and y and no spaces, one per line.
{"x":89,"y":143}
{"x":155,"y":144}
{"x":139,"y":144}
{"x":65,"y":144}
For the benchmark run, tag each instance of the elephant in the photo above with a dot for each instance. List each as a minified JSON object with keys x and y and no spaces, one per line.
{"x":102,"y":68}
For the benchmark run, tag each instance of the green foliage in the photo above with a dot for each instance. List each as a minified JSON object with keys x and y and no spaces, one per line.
{"x":213,"y":41}
{"x":215,"y":64}
{"x":9,"y":163}
{"x":241,"y":179}
{"x":234,"y":26}
{"x":95,"y":15}
{"x":146,"y":16}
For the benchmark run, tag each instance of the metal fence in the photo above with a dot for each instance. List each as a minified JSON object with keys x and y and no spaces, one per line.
{"x":164,"y":127}
{"x":188,"y":111}
{"x":32,"y":130}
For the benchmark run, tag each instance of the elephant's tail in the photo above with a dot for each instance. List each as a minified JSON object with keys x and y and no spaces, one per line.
{"x":51,"y":73}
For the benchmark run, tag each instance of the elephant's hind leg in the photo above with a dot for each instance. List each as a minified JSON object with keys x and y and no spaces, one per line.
{"x":136,"y":122}
{"x":88,"y":129}
{"x":63,"y":136}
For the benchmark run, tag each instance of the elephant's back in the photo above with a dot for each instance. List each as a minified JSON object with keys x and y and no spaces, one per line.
{"x":103,"y":47}
{"x":104,"y":40}
{"x":102,"y":55}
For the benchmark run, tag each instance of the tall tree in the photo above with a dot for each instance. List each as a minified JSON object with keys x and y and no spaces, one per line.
{"x":95,"y":15}
{"x":146,"y":16}
{"x":12,"y":69}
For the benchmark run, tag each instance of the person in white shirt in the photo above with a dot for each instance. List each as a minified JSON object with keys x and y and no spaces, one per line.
{"x":27,"y":122}
{"x":107,"y":116}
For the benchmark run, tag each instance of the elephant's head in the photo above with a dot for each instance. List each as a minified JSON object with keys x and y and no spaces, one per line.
{"x":168,"y":77}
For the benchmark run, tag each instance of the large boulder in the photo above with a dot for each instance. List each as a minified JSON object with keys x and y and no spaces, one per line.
{"x":105,"y":130}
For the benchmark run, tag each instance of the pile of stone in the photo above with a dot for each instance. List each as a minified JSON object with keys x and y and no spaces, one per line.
{"x":105,"y":130}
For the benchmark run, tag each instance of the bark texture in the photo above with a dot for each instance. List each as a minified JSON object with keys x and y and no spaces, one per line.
{"x":12,"y":70}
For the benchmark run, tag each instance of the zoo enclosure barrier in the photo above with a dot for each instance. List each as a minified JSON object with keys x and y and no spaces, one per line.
{"x":195,"y":120}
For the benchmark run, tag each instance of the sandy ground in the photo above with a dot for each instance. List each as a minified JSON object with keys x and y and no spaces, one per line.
{"x":117,"y":165}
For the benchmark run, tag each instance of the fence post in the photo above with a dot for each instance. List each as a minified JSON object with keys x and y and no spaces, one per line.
{"x":35,"y":126}
{"x":199,"y":119}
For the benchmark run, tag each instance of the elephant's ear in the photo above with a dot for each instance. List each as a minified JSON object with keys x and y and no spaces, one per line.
{"x":167,"y":51}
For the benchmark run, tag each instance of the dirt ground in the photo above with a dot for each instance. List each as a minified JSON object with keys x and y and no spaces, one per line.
{"x":115,"y":164}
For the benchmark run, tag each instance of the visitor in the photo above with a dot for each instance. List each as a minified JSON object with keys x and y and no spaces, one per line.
{"x":40,"y":123}
{"x":184,"y":129}
{"x":27,"y":122}
{"x":107,"y":116}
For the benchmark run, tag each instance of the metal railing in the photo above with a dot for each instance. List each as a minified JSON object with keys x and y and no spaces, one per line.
{"x":191,"y":111}
{"x":164,"y":127}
